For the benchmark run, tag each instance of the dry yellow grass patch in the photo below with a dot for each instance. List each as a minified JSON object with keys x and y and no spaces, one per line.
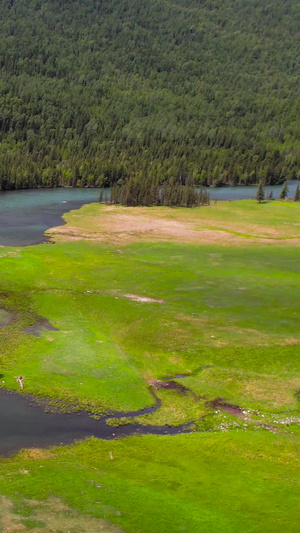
{"x":50,"y":516}
{"x":248,"y":390}
{"x":277,"y":393}
{"x":119,"y":225}
{"x":219,"y":334}
{"x":37,"y":454}
{"x":241,"y":335}
{"x":290,"y":341}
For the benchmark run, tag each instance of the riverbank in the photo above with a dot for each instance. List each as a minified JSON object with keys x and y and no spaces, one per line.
{"x":26,"y":214}
{"x":239,"y":223}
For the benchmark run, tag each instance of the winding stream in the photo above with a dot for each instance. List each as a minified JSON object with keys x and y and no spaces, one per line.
{"x":25,"y":424}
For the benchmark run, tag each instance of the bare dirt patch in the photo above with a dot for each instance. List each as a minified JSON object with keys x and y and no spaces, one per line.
{"x":229,"y":408}
{"x":169,"y":385}
{"x":142,"y":299}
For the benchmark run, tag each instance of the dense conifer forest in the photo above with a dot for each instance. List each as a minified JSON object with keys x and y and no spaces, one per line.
{"x":95,"y":91}
{"x":146,"y":191}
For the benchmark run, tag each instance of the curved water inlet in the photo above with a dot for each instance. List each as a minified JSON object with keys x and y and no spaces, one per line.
{"x":25,"y":424}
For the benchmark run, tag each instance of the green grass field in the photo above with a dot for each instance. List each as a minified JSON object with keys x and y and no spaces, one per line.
{"x":224,"y":314}
{"x":202,"y":482}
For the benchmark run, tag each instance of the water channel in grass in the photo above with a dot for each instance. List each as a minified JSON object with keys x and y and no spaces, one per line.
{"x":25,"y":424}
{"x":25,"y":215}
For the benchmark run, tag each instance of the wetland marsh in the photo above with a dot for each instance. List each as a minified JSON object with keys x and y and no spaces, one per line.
{"x":134,"y":297}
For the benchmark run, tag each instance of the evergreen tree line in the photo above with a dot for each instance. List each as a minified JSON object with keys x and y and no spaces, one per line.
{"x":93,"y":92}
{"x":146,"y":192}
{"x":260,"y":193}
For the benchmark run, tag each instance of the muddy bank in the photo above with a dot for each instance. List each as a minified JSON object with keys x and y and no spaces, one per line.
{"x":168,"y":385}
{"x":25,"y":424}
{"x":229,"y":408}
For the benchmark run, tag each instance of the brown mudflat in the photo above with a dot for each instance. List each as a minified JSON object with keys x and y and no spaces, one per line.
{"x":229,"y":408}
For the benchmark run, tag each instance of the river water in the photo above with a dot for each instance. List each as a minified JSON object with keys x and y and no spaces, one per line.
{"x":249,"y":193}
{"x":26,"y":215}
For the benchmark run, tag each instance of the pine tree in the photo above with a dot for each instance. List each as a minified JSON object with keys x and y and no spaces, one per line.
{"x":260,"y":194}
{"x":297,"y":194}
{"x":284,"y":192}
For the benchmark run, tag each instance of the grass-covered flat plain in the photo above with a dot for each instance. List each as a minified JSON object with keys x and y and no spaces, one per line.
{"x":137,"y":296}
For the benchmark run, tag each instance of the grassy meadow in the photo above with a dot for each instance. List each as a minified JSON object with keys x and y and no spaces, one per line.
{"x":138,"y":295}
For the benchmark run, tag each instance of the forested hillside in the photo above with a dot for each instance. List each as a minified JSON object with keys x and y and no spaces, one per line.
{"x":92,"y":91}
